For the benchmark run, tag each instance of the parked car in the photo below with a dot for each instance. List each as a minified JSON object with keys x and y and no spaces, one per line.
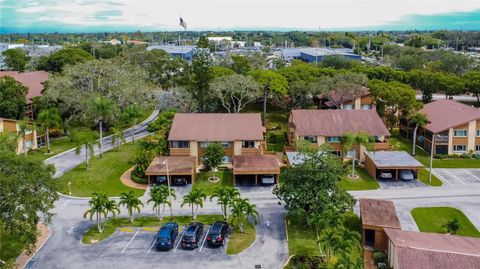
{"x":406,"y":175}
{"x":217,"y":234}
{"x":386,"y":174}
{"x":268,"y":179}
{"x":166,"y":236}
{"x":179,"y":181}
{"x":160,"y":180}
{"x":192,"y":235}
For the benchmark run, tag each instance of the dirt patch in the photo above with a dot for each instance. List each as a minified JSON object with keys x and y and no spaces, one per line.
{"x":126,"y":179}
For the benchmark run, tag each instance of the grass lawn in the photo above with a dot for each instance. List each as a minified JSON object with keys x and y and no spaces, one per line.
{"x":113,"y":224}
{"x":238,"y":242}
{"x":422,"y":156}
{"x":202,"y":183}
{"x":302,"y":238}
{"x":10,"y":245}
{"x":365,"y":182}
{"x":431,"y":219}
{"x":57,"y":146}
{"x":424,"y":176}
{"x":103,"y":175}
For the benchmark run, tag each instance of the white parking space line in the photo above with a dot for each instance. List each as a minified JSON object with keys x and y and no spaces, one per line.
{"x":443,"y":178}
{"x":179,"y":241}
{"x":204,"y":239}
{"x":128,"y":244}
{"x":454,"y":176}
{"x":468,"y":172}
{"x":150,"y":249}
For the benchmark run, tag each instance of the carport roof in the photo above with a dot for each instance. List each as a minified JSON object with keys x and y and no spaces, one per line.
{"x":256,"y":164}
{"x":379,"y":213}
{"x":393,"y":159}
{"x":177,"y":165}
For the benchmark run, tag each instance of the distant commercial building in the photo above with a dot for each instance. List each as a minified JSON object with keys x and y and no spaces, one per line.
{"x":219,"y":39}
{"x":312,"y":55}
{"x":184,"y":52}
{"x":33,"y":51}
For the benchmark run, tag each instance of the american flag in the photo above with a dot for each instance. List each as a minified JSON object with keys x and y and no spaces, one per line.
{"x":183,"y":23}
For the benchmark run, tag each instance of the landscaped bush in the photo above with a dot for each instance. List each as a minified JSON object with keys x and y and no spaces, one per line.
{"x":304,"y":260}
{"x":379,"y":257}
{"x":138,"y":179}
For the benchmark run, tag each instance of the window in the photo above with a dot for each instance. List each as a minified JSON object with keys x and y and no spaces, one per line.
{"x":333,"y":139}
{"x":478,"y":133}
{"x":366,"y":107}
{"x":460,"y":133}
{"x":181,"y":144}
{"x":477,"y":148}
{"x":28,"y":144}
{"x":226,"y":144}
{"x":311,"y":139}
{"x":227,"y":159}
{"x":348,"y":107}
{"x":336,"y":152}
{"x":248,"y":144}
{"x":459,"y":148}
{"x":203,"y":144}
{"x":350,"y":154}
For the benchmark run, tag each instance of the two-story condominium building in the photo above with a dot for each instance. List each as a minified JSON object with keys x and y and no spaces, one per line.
{"x":240,"y":134}
{"x":8,"y":125}
{"x":453,"y":127}
{"x":361,"y":100}
{"x":328,"y":126}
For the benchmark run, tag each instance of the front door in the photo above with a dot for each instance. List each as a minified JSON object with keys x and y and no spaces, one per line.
{"x":370,"y":238}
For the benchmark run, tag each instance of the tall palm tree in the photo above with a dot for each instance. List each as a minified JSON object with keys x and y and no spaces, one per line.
{"x":88,"y":140}
{"x":112,"y":207}
{"x":225,"y":197}
{"x":131,"y":202}
{"x":329,"y":238}
{"x":242,"y":210}
{"x":194,"y":199}
{"x":420,"y":120}
{"x":159,"y":198}
{"x":131,"y":115}
{"x":24,"y":127}
{"x":49,"y":118}
{"x":117,"y":137}
{"x":353,"y":140}
{"x":97,"y":209}
{"x":102,"y":110}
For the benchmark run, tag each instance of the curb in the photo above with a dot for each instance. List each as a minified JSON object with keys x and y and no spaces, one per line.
{"x":40,"y":247}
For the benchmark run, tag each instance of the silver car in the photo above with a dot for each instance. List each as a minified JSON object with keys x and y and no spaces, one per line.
{"x":268,"y":179}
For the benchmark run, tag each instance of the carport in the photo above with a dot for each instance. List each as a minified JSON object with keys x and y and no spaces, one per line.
{"x":172,"y":167}
{"x":253,"y":166}
{"x":376,"y":161}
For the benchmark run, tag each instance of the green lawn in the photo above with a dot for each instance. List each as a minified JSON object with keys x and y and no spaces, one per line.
{"x":302,"y":238}
{"x":103,"y":175}
{"x":422,"y":156}
{"x":202,"y":183}
{"x":365,"y":182}
{"x":57,"y":146}
{"x":113,"y":224}
{"x":424,"y":176}
{"x":431,"y":219}
{"x":10,"y":245}
{"x":238,"y":242}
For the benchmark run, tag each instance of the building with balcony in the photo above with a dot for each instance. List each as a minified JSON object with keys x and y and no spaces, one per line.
{"x":328,"y":126}
{"x":26,"y":142}
{"x":453,"y":128}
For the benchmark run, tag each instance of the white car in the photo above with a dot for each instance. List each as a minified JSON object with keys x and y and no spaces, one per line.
{"x":385,"y":175}
{"x":268,"y":179}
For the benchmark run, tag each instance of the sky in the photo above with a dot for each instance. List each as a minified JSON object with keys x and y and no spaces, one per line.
{"x":282,"y":15}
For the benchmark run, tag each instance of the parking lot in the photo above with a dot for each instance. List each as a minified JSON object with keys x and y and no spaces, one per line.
{"x":399,"y":184}
{"x":457,"y":176}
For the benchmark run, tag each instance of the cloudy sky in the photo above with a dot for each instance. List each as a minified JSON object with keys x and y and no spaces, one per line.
{"x":129,"y":15}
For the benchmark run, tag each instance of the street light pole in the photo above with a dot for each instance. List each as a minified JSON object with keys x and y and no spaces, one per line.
{"x":431,"y":157}
{"x":169,"y":189}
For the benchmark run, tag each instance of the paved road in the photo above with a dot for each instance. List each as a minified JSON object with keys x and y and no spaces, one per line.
{"x":68,"y":160}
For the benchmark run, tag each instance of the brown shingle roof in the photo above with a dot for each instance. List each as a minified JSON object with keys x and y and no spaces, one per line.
{"x":216,"y":127}
{"x":435,"y":251}
{"x":176,"y":165}
{"x":337,"y":122}
{"x":379,"y":213}
{"x":32,"y":80}
{"x":337,"y":98}
{"x":256,"y":163}
{"x":445,"y":113}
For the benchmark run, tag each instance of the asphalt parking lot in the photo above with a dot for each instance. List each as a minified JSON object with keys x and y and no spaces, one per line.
{"x":399,"y":184}
{"x":458,"y":176}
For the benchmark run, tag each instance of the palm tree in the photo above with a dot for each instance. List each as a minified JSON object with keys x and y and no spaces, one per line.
{"x":195,"y":199}
{"x":353,"y":140}
{"x":159,"y":198}
{"x":112,"y":207}
{"x":102,"y":110}
{"x":88,"y":140}
{"x":242,"y":210}
{"x":24,"y":127}
{"x":225,"y":197}
{"x":117,"y":137}
{"x":329,"y":238}
{"x":49,"y":118}
{"x":452,"y":226}
{"x":420,"y":120}
{"x":130,"y":115}
{"x":97,"y":209}
{"x":131,"y":202}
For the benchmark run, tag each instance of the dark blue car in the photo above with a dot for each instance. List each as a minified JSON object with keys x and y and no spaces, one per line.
{"x":166,"y":236}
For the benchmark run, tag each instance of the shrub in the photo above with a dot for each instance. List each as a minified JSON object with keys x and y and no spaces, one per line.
{"x":138,"y":179}
{"x":379,"y":257}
